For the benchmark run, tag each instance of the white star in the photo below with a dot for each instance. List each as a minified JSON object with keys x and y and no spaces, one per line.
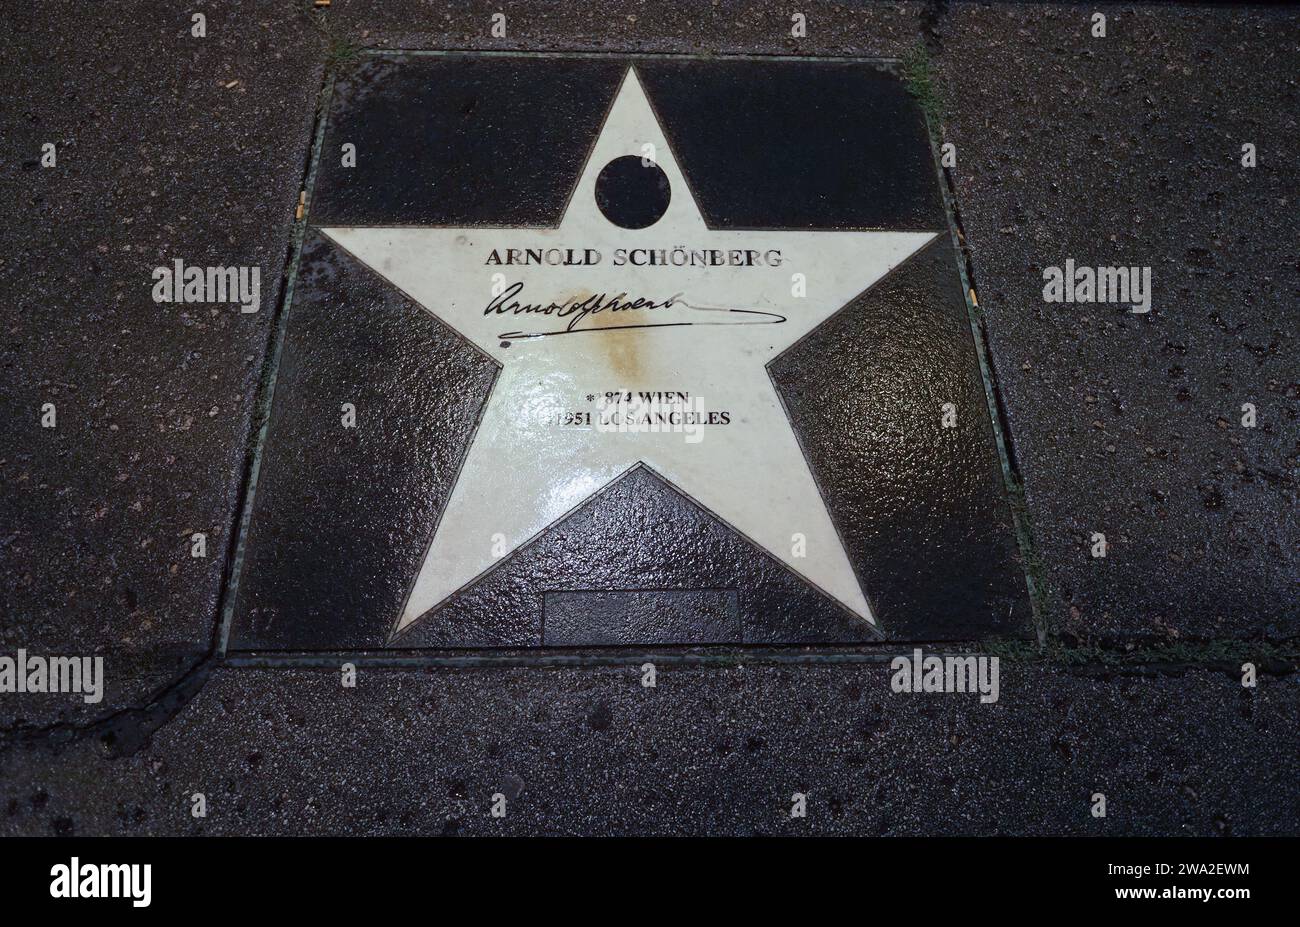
{"x":526,"y":468}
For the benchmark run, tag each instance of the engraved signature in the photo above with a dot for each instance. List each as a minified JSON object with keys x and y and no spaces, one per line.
{"x":579,"y":312}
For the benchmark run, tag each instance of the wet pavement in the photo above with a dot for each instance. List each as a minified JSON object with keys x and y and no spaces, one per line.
{"x":1123,"y":150}
{"x":707,"y":751}
{"x":1128,"y":149}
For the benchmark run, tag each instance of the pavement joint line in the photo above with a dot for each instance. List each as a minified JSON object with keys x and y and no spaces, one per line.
{"x":617,"y":53}
{"x":123,"y":731}
{"x":266,"y":385}
{"x":128,"y":729}
{"x":339,"y":50}
{"x":1276,"y":660}
{"x":919,"y":80}
{"x":929,"y":20}
{"x":720,"y":662}
{"x":186,"y":685}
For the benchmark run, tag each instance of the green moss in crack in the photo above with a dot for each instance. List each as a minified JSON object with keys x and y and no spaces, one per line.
{"x":341,"y":54}
{"x":918,"y":76}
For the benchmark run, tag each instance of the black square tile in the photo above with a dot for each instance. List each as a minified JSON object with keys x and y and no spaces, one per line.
{"x":813,"y":467}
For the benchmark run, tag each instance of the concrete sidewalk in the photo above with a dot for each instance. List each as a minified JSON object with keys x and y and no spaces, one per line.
{"x":1117,"y":150}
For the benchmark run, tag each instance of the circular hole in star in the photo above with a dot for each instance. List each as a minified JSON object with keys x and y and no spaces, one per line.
{"x":632,"y":192}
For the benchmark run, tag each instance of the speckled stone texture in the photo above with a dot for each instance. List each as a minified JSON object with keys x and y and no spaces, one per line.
{"x":1127,"y":150}
{"x":168,"y":147}
{"x":707,"y":751}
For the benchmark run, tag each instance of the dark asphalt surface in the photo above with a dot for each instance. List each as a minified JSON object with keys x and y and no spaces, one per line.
{"x":1115,"y":150}
{"x":707,"y":751}
{"x":158,"y":159}
{"x":1127,"y":150}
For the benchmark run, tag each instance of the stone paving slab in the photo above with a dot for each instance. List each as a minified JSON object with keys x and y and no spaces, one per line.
{"x":169,"y":147}
{"x":348,"y":513}
{"x":708,"y":750}
{"x":1127,"y":150}
{"x":1202,"y":510}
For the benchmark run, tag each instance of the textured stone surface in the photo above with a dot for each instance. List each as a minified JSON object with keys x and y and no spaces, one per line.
{"x":454,"y":140}
{"x":1126,"y":150}
{"x":922,"y":505}
{"x":169,"y":147}
{"x":681,"y":26}
{"x":857,"y":155}
{"x":582,"y":617}
{"x":719,"y":751}
{"x":341,"y":515}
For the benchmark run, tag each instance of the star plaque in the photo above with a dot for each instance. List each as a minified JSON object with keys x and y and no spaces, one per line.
{"x":597,"y":351}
